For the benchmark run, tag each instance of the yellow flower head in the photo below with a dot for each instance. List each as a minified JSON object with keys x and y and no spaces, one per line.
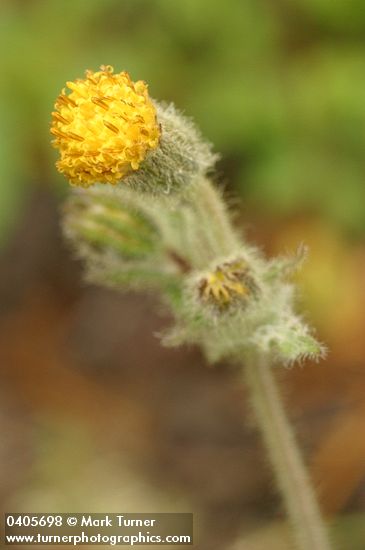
{"x":104,"y":128}
{"x":229,"y":282}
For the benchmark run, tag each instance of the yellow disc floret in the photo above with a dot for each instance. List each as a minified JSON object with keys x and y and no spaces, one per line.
{"x":228,"y":283}
{"x":104,"y":128}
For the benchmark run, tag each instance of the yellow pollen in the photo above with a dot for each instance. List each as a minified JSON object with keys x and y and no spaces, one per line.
{"x":60,"y":118}
{"x":111,"y":126}
{"x":59,"y":134}
{"x":104,"y":127}
{"x":100,"y":102}
{"x":66,"y":100}
{"x":72,"y":135}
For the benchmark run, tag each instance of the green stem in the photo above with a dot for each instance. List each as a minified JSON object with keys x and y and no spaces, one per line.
{"x":215,"y":224}
{"x":291,"y":473}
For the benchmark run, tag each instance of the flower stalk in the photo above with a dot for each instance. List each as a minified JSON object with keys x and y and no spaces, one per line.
{"x":291,"y":474}
{"x":163,"y":225}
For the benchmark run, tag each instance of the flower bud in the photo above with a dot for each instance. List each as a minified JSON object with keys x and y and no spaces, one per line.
{"x":229,"y":284}
{"x":101,"y":225}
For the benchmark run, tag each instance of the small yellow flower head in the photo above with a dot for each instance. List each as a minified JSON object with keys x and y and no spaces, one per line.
{"x":104,"y":128}
{"x":228,"y":283}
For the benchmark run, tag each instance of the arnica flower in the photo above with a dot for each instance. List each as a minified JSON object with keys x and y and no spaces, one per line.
{"x":104,"y":128}
{"x":228,"y":283}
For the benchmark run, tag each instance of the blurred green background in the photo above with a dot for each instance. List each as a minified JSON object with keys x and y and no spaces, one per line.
{"x":279,"y":87}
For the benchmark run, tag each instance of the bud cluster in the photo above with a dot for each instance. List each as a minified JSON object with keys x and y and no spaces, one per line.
{"x":224,"y":295}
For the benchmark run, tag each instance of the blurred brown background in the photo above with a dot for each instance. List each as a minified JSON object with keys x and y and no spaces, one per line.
{"x":95,"y":415}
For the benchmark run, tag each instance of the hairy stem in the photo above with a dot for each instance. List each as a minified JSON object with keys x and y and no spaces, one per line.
{"x":291,"y":473}
{"x":215,"y":224}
